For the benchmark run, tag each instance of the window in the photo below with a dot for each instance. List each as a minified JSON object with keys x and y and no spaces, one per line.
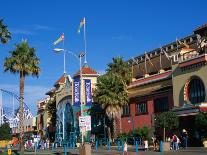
{"x":196,"y":91}
{"x":126,"y":110}
{"x":161,"y":104}
{"x":175,"y":58}
{"x":141,"y":108}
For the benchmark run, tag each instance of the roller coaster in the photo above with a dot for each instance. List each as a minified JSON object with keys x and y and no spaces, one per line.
{"x":9,"y":110}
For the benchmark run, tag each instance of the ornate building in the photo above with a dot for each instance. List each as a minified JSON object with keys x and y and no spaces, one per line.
{"x":169,"y":78}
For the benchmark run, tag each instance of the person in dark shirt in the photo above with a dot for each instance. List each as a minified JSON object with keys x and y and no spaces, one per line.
{"x":185,"y":138}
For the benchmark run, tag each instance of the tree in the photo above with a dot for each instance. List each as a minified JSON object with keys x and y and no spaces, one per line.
{"x":166,"y":121}
{"x":111,"y":89}
{"x":5,"y":131}
{"x":5,"y":35}
{"x":120,"y":69}
{"x":201,"y":123}
{"x":51,"y":109}
{"x":23,"y":60}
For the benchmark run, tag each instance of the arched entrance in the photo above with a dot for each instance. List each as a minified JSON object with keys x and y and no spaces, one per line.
{"x":196,"y":91}
{"x":65,"y":120}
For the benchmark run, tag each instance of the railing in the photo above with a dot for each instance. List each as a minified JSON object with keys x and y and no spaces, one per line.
{"x":193,"y":54}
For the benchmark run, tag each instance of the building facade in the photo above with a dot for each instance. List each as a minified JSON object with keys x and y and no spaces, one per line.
{"x":171,"y":78}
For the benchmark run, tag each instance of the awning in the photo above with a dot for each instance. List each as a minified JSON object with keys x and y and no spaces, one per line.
{"x":186,"y":111}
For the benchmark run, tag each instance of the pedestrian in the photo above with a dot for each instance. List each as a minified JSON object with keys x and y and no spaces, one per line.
{"x":175,"y":143}
{"x":146,"y":144}
{"x":154,"y":140}
{"x":125,"y":148}
{"x":185,"y":138}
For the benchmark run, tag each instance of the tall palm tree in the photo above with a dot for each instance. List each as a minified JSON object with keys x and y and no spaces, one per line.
{"x":5,"y":35}
{"x":23,"y":60}
{"x":111,"y":89}
{"x":121,"y":69}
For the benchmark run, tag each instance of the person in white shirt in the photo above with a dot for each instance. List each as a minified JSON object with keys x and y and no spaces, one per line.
{"x":125,"y":148}
{"x":146,"y":144}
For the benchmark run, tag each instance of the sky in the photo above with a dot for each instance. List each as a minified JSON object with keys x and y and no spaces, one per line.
{"x":114,"y":28}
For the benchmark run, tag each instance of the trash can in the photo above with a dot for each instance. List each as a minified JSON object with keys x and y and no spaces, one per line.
{"x":85,"y":149}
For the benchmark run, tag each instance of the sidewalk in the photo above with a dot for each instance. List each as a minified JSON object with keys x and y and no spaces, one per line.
{"x":189,"y":151}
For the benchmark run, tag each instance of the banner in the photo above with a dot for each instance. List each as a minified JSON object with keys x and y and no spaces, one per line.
{"x":76,"y":92}
{"x":88,"y":92}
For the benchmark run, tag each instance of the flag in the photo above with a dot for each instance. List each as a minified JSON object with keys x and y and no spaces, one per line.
{"x":76,"y":92}
{"x":59,"y":39}
{"x":82,"y":22}
{"x":88,"y":91}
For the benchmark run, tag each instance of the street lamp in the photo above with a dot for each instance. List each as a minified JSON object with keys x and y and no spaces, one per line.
{"x":78,"y":57}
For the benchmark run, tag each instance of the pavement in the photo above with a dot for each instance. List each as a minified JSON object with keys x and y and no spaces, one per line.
{"x":102,"y":151}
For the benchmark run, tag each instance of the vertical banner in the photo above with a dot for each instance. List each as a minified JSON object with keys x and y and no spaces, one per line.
{"x":76,"y":92}
{"x":88,"y":92}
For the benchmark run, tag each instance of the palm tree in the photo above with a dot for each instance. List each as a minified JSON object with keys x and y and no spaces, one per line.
{"x":5,"y":35}
{"x":111,"y":89}
{"x":23,"y":60}
{"x":121,"y":69}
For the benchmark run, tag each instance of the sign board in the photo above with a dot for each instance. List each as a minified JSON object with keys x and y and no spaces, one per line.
{"x":85,"y":123}
{"x":9,"y":151}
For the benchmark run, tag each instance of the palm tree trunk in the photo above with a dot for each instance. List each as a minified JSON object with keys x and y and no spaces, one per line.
{"x":22,"y":77}
{"x":114,"y":129}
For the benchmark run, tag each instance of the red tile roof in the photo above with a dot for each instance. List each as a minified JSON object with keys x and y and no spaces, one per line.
{"x":86,"y":70}
{"x":60,"y":80}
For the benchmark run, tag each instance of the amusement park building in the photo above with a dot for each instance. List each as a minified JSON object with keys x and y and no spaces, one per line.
{"x":67,"y":112}
{"x":169,"y":78}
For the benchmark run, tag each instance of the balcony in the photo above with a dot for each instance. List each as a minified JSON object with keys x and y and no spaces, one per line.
{"x":191,"y":57}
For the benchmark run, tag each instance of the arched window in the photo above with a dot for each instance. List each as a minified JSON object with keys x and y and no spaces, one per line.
{"x":196,"y":91}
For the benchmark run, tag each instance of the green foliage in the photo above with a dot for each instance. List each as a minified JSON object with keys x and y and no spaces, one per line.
{"x":169,"y":120}
{"x":5,"y":132}
{"x":145,"y":132}
{"x":51,"y":109}
{"x":201,"y":123}
{"x":22,"y":60}
{"x":123,"y":136}
{"x":5,"y":35}
{"x":138,"y":132}
{"x":111,"y":87}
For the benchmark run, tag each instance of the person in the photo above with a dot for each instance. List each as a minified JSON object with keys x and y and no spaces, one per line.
{"x":125,"y":148}
{"x":178,"y":143}
{"x":185,"y":138}
{"x":145,"y":144}
{"x":154,"y":143}
{"x":175,"y":142}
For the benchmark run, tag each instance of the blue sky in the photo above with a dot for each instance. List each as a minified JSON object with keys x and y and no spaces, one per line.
{"x":113,"y":27}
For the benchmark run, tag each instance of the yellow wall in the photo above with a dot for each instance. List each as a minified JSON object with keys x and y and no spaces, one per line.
{"x":181,"y":77}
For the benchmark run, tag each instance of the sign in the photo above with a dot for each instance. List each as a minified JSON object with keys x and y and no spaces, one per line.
{"x":85,"y":123}
{"x":9,"y":151}
{"x":76,"y":92}
{"x":82,"y":121}
{"x":88,"y":91}
{"x":88,"y":123}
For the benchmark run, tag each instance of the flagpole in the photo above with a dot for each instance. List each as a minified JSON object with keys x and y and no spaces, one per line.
{"x":64,"y":54}
{"x":84,"y":33}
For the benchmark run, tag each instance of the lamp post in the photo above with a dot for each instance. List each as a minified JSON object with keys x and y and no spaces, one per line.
{"x":79,"y":58}
{"x":131,"y":119}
